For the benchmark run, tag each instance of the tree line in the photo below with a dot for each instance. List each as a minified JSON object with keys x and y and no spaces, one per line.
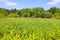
{"x":37,"y":12}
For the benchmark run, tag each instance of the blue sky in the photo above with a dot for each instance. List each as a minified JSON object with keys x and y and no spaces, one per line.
{"x":19,"y":4}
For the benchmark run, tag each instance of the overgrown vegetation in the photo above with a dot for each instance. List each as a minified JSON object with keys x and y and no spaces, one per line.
{"x":37,"y":12}
{"x":29,"y":29}
{"x":28,"y":24}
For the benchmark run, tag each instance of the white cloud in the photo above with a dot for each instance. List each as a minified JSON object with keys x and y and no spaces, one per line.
{"x":8,"y":3}
{"x":3,"y":0}
{"x":53,"y":2}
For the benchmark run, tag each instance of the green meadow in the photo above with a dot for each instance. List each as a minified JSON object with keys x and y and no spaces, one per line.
{"x":29,"y":29}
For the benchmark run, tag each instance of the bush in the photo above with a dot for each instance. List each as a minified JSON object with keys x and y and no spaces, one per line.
{"x":56,"y":15}
{"x":26,"y":15}
{"x":37,"y":14}
{"x":13,"y":15}
{"x":46,"y":15}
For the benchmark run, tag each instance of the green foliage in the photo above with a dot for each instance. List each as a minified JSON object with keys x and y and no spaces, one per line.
{"x":54,"y":10}
{"x":19,"y":13}
{"x":39,"y":9}
{"x":46,"y":15}
{"x":29,"y":29}
{"x":13,"y":15}
{"x":37,"y":12}
{"x":3,"y":12}
{"x":56,"y":15}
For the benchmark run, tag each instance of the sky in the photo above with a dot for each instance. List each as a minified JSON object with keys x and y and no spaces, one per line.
{"x":19,"y":4}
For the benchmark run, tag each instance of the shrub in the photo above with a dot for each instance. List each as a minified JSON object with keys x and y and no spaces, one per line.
{"x":13,"y":15}
{"x":56,"y":15}
{"x":46,"y":15}
{"x":37,"y":14}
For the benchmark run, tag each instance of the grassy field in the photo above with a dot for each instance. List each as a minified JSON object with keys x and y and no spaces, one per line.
{"x":29,"y":29}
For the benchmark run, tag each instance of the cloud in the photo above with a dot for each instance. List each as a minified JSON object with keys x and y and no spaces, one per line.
{"x":53,"y":2}
{"x":3,"y":0}
{"x":8,"y":3}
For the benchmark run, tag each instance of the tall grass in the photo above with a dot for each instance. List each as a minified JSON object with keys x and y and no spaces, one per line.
{"x":29,"y":29}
